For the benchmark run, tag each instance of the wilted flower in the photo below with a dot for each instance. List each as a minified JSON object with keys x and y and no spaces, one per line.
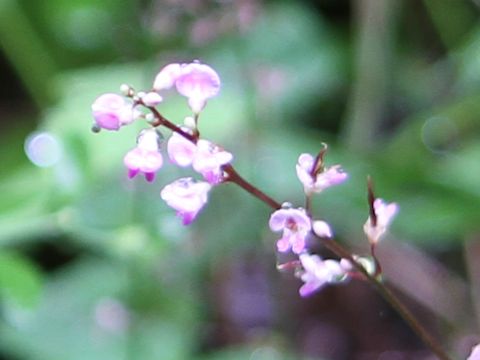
{"x":145,"y":157}
{"x":318,"y":272}
{"x":187,"y":197}
{"x":384,"y":214}
{"x":295,"y":225}
{"x":112,"y":111}
{"x":317,"y":182}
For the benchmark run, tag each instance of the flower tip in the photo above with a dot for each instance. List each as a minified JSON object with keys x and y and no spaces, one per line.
{"x":322,"y":229}
{"x":167,"y":77}
{"x":152,"y":99}
{"x":150,"y":176}
{"x":306,"y":290}
{"x":132,"y":173}
{"x":187,"y":218}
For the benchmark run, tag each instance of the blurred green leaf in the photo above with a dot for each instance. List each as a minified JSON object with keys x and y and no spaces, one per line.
{"x":20,"y":280}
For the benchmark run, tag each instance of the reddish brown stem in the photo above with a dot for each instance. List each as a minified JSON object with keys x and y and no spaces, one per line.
{"x":234,"y":176}
{"x":387,"y":294}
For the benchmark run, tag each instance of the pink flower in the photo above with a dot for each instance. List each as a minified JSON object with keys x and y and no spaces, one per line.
{"x":198,"y":82}
{"x":145,"y":157}
{"x":295,"y":225}
{"x":111,"y":111}
{"x":318,"y":182}
{"x":384,"y":213}
{"x":317,"y":272}
{"x":475,"y":355}
{"x":206,"y":157}
{"x":209,"y":159}
{"x":187,"y":197}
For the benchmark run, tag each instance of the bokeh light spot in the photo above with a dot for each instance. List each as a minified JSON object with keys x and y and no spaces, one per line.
{"x":43,"y":149}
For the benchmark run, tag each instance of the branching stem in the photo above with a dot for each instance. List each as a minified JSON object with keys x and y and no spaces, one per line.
{"x":233,"y":176}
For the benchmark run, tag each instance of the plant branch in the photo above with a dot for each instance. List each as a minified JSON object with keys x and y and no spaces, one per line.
{"x":234,"y":177}
{"x":391,"y":298}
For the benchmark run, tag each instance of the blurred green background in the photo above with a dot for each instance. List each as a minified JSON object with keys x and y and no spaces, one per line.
{"x":94,"y":266}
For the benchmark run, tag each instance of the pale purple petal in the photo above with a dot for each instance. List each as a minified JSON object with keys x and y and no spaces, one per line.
{"x":167,"y":77}
{"x":283,"y":245}
{"x":300,"y":218}
{"x":309,"y":288}
{"x":385,"y":213}
{"x":317,"y":272}
{"x":143,"y":160}
{"x":198,"y":80}
{"x":111,"y":111}
{"x":278,"y":218}
{"x":303,"y":167}
{"x":322,"y":229}
{"x":197,"y":103}
{"x":186,"y":196}
{"x":148,"y":140}
{"x":475,"y":355}
{"x":152,"y":99}
{"x":297,"y":241}
{"x":180,"y":150}
{"x":209,"y":159}
{"x":334,"y":175}
{"x":331,"y":176}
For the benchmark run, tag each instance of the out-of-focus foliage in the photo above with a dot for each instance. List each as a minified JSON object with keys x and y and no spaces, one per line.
{"x":95,"y":266}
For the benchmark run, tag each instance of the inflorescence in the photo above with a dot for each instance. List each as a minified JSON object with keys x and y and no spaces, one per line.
{"x":187,"y":196}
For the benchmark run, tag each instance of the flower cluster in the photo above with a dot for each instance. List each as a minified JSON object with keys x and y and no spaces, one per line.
{"x":198,"y":82}
{"x":187,"y":196}
{"x":298,"y":228}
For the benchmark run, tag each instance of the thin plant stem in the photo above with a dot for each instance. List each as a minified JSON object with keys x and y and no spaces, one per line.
{"x":391,"y":298}
{"x":233,"y":176}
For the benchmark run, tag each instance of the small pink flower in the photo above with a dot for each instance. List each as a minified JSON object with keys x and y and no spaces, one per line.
{"x":209,"y":159}
{"x":111,"y":111}
{"x":198,"y":82}
{"x":318,"y":272}
{"x":475,"y":355}
{"x":319,"y":182}
{"x":385,"y":213}
{"x":206,"y":157}
{"x":187,"y":197}
{"x":295,"y":225}
{"x":145,"y":157}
